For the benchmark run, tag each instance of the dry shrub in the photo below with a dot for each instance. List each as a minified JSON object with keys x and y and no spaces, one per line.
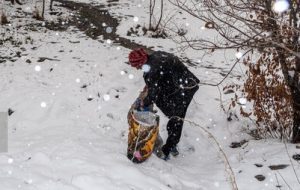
{"x":272,"y":101}
{"x":3,"y":19}
{"x":37,"y":15}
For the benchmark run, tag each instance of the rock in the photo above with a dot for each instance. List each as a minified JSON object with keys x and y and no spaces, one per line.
{"x":278,"y":167}
{"x":42,"y":59}
{"x":84,"y":86}
{"x":296,"y":157}
{"x":229,"y":91}
{"x":258,"y":165}
{"x":110,"y":115}
{"x":18,"y":54}
{"x":260,"y":177}
{"x":90,"y":99}
{"x":28,"y":61}
{"x":10,"y":111}
{"x":237,"y":144}
{"x":74,"y":42}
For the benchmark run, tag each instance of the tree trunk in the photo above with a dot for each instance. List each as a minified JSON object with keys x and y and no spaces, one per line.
{"x":43,"y":11}
{"x":51,"y":5}
{"x":161,"y":14}
{"x":296,"y":102}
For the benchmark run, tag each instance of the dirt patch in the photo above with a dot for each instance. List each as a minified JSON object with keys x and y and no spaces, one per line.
{"x":91,"y":18}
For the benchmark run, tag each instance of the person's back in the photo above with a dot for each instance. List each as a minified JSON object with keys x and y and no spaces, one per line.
{"x":167,"y":80}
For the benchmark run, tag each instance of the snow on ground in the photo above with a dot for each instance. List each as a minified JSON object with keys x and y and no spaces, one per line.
{"x":69,"y":126}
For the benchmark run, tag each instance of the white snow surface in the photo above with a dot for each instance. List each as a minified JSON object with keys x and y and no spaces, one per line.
{"x":69,"y":126}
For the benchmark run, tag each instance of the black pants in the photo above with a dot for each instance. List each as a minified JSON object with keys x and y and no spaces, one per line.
{"x":174,"y":126}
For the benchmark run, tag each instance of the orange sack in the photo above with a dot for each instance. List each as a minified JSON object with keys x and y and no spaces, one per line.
{"x":142,"y":135}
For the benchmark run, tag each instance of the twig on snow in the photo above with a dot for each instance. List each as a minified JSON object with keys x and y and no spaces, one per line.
{"x":226,"y":161}
{"x":285,"y":181}
{"x":291,"y":162}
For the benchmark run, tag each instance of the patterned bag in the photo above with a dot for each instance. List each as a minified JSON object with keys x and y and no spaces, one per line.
{"x":143,"y":134}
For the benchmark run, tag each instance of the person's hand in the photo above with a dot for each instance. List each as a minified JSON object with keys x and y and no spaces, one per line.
{"x":138,"y":104}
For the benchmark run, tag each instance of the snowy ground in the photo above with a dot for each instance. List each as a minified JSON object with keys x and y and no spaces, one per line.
{"x":69,"y":126}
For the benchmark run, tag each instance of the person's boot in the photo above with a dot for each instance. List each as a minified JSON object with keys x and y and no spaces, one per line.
{"x":174,"y":151}
{"x":160,"y":153}
{"x":158,"y":148}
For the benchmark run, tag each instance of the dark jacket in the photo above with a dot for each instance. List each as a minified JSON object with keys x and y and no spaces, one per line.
{"x":171,"y":85}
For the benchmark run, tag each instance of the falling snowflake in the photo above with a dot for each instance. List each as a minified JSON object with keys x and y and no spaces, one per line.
{"x":106,"y":97}
{"x":37,"y":68}
{"x":10,"y":160}
{"x":203,"y":28}
{"x":146,"y":68}
{"x":135,"y":19}
{"x":242,"y":101}
{"x":118,"y":48}
{"x":78,"y":80}
{"x":108,"y":30}
{"x":239,"y":55}
{"x":217,"y":184}
{"x":280,"y":6}
{"x":108,"y":41}
{"x":187,"y":24}
{"x":28,"y":9}
{"x":103,"y":24}
{"x":131,"y":76}
{"x":122,"y":72}
{"x":43,"y":104}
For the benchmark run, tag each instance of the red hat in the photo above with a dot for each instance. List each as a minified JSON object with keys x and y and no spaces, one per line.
{"x":138,"y":57}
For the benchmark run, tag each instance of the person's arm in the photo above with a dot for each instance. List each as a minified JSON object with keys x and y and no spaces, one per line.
{"x":153,"y":87}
